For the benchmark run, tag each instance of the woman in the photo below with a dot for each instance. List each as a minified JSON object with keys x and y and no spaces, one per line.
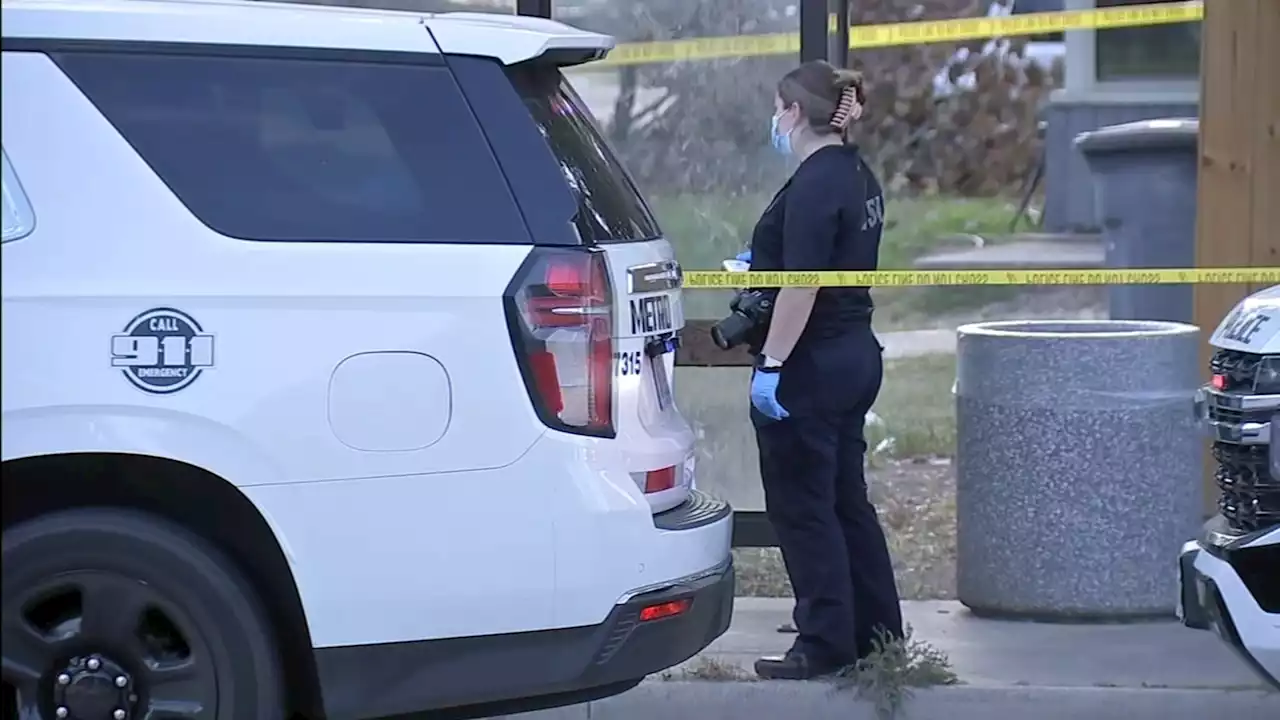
{"x":817,"y":374}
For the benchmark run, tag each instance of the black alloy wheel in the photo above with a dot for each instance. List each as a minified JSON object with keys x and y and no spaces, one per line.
{"x":117,"y":615}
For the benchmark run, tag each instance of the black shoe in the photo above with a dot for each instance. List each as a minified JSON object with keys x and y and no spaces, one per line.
{"x":795,"y":665}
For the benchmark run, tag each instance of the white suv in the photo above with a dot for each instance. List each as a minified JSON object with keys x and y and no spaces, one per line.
{"x":336,"y":375}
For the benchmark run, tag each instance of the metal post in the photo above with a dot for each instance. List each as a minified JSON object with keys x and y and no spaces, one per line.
{"x":813,"y":30}
{"x":838,"y":52}
{"x":534,"y":8}
{"x":752,"y":528}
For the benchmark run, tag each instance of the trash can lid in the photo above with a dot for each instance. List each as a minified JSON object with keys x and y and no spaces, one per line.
{"x":1143,"y":135}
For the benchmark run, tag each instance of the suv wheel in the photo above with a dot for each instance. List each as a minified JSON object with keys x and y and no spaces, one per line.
{"x":113,"y":614}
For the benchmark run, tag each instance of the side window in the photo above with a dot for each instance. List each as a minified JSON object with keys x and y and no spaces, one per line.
{"x":307,"y":149}
{"x":19,"y":220}
{"x":611,"y":209}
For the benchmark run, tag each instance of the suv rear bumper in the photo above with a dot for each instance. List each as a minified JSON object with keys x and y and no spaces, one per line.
{"x":1212,"y":597}
{"x":502,"y":674}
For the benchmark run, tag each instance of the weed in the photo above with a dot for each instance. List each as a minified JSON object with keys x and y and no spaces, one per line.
{"x":710,"y":669}
{"x":910,"y":481}
{"x":894,"y":669}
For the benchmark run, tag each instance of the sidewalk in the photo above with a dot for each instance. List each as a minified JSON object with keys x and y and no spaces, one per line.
{"x":995,"y":652}
{"x":900,"y":344}
{"x":1007,"y":670}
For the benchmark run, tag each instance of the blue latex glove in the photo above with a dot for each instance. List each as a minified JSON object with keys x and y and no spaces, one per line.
{"x":744,"y":256}
{"x":764,"y":393}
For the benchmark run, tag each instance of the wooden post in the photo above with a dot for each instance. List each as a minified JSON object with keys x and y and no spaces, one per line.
{"x":1238,"y":208}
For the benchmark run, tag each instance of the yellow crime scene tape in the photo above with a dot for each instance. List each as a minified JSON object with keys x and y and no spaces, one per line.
{"x":711,"y":279}
{"x":909,"y":33}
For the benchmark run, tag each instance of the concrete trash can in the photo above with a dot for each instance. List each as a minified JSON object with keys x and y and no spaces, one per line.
{"x":1144,"y":178}
{"x":1079,"y":462}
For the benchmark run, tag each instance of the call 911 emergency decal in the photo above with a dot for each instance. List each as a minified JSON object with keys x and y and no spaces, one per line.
{"x":162,"y":351}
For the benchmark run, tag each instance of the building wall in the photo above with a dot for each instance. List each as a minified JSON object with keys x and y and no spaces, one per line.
{"x":1088,"y":102}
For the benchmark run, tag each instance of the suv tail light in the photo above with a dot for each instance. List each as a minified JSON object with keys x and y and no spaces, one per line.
{"x":560,"y":312}
{"x":656,"y":481}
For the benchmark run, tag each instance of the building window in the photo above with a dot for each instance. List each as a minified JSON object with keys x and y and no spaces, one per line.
{"x":1157,"y":52}
{"x":1026,"y":7}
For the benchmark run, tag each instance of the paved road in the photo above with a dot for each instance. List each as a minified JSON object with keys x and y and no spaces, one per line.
{"x":810,"y":701}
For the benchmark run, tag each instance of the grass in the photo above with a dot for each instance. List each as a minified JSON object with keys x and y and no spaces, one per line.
{"x":915,"y":407}
{"x":911,"y":482}
{"x":709,"y":669}
{"x":917,"y":507}
{"x":888,"y":675}
{"x":706,"y":229}
{"x":886,"y":678}
{"x":916,"y":502}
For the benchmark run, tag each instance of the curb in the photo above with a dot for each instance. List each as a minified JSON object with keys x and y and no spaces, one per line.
{"x":684,"y":700}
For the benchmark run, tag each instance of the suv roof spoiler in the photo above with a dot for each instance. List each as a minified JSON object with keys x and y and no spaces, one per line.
{"x":518,"y":38}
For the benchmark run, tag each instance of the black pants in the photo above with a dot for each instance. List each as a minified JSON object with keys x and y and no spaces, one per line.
{"x":832,"y":544}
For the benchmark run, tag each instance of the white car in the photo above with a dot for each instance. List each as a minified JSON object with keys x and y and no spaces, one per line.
{"x":336,"y":375}
{"x":1230,"y":576}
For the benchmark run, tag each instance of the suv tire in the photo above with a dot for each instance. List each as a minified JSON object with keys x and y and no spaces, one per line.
{"x":108,"y":609}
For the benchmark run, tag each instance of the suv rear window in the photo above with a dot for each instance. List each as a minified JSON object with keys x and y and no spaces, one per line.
{"x":270,"y":148}
{"x":610,"y":209}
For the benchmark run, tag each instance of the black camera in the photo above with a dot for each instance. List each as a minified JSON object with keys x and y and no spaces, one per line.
{"x":749,"y":310}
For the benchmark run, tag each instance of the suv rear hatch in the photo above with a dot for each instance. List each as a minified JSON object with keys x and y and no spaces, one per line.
{"x":601,"y":321}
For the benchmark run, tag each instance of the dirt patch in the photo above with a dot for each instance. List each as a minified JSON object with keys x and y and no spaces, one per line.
{"x":916,"y":500}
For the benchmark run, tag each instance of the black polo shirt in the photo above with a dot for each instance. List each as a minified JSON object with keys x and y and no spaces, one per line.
{"x":828,"y":216}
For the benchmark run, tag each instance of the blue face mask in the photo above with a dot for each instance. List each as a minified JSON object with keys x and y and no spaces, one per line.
{"x":781,"y":141}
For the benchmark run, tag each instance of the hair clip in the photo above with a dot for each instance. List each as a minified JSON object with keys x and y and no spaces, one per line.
{"x":848,"y":108}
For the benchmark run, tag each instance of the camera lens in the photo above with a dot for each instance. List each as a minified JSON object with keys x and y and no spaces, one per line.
{"x":717,"y":337}
{"x":731,"y":331}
